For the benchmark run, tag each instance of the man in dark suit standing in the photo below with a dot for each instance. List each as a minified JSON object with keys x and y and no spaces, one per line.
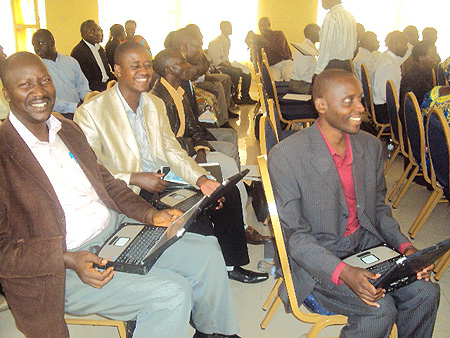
{"x":92,"y":57}
{"x":330,"y":189}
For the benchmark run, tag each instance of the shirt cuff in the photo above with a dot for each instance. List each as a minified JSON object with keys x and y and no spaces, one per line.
{"x":402,"y":247}
{"x":336,"y":273}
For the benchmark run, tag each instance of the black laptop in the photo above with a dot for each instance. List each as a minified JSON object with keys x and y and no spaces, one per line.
{"x":396,"y":269}
{"x":135,"y":247}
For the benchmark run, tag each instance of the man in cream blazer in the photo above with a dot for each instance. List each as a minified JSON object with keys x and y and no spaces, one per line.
{"x":130,"y":133}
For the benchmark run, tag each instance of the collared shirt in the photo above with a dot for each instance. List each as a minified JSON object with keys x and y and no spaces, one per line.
{"x":218,"y":50}
{"x":86,"y":216}
{"x":366,"y":57}
{"x":137,"y":124}
{"x":337,"y":37}
{"x":386,"y":67}
{"x":94,"y":49}
{"x":177,"y":96}
{"x":70,"y":83}
{"x":304,"y":65}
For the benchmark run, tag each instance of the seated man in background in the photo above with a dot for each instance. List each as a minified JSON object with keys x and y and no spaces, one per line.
{"x":92,"y":57}
{"x":70,"y":83}
{"x":134,"y":140}
{"x":429,"y":34}
{"x":334,"y":161}
{"x":276,"y":47}
{"x":418,"y":79}
{"x":304,"y":63}
{"x":368,"y":45}
{"x":57,"y":203}
{"x":218,"y":51}
{"x":171,"y":65}
{"x":386,"y":67}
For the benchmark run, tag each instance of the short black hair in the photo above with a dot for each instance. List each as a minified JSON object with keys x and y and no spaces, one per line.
{"x":325,"y":80}
{"x":163,"y":59}
{"x":84,"y":25}
{"x":44,"y":32}
{"x":124,"y":48}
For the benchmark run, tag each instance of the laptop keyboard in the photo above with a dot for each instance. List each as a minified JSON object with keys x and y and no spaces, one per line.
{"x":381,"y":268}
{"x":188,"y":203}
{"x":137,"y":250}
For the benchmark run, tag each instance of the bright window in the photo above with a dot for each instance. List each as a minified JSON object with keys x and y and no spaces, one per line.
{"x":384,"y":16}
{"x":155,"y":19}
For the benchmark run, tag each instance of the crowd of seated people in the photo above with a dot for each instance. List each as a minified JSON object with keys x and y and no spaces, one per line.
{"x":152,"y":121}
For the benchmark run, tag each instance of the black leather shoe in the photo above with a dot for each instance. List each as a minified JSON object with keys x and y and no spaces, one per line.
{"x":247,"y":100}
{"x":232,"y":115}
{"x":199,"y":334}
{"x":246,"y":276}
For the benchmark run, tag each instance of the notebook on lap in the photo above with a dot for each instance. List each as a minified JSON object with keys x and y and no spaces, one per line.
{"x":396,"y":269}
{"x":135,"y":247}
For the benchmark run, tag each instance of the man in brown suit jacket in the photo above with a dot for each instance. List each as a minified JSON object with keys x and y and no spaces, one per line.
{"x":57,"y":203}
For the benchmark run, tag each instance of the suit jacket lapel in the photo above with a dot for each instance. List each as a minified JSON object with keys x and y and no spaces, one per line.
{"x":358,"y":173}
{"x":323,"y":163}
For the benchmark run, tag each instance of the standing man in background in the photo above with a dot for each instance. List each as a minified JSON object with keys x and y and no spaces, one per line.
{"x":337,"y":38}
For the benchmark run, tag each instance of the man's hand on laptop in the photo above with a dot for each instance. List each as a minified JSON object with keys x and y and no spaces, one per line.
{"x":425,"y":273}
{"x":163,"y":218}
{"x":356,"y":279}
{"x":207,"y":187}
{"x":82,"y":262}
{"x":151,"y":182}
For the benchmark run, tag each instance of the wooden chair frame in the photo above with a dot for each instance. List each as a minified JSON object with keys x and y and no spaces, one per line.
{"x":92,"y":320}
{"x":273,"y":300}
{"x":289,"y":123}
{"x":370,"y":106}
{"x":397,"y":148}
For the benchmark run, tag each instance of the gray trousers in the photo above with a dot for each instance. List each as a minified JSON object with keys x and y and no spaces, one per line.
{"x":413,"y":308}
{"x":188,"y":282}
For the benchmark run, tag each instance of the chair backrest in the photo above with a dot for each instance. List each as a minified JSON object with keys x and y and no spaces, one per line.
{"x":267,"y":136}
{"x":367,"y":91}
{"x":440,"y":75}
{"x":438,"y":140}
{"x":416,"y":133}
{"x":255,"y":54}
{"x":274,"y":119}
{"x":90,"y":95}
{"x":111,"y":84}
{"x":279,"y":242}
{"x":433,"y":77}
{"x":392,"y":108}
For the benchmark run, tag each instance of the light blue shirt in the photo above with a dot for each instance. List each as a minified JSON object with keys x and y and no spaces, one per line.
{"x":70,"y":83}
{"x":140,"y":134}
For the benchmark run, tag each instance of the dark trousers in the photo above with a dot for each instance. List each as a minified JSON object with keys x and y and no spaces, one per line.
{"x":226,"y":224}
{"x":236,"y":74}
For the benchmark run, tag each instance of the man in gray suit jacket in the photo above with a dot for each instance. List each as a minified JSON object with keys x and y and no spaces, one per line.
{"x":329,"y":189}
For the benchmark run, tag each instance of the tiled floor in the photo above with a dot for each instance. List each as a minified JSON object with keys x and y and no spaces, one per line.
{"x":249,"y":298}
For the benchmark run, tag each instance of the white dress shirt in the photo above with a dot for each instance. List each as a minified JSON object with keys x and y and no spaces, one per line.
{"x":218,"y":50}
{"x":94,"y":49}
{"x":386,"y":67}
{"x":366,"y":57}
{"x":304,"y":65}
{"x":337,"y":37}
{"x":86,"y":216}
